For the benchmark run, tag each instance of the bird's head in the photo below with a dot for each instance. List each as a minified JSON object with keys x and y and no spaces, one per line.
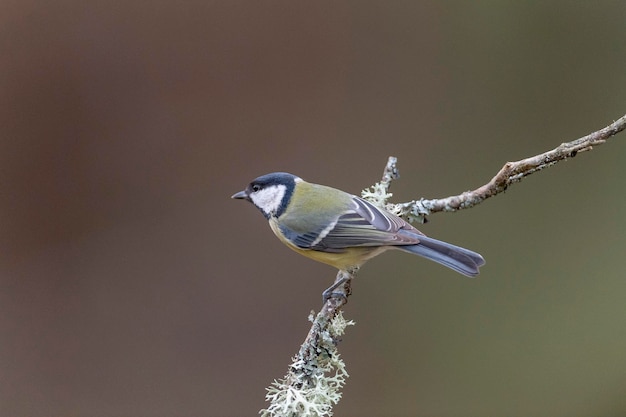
{"x":270,"y":193}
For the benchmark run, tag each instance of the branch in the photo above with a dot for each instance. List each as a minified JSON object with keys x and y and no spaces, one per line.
{"x":313,"y":383}
{"x":314,"y":380}
{"x":510,"y":173}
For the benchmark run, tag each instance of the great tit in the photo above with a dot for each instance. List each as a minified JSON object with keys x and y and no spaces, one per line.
{"x":341,"y":229}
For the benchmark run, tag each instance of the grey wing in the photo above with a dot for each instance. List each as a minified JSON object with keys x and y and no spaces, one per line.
{"x":363,"y":224}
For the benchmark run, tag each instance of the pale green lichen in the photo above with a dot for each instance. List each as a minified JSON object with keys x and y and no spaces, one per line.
{"x":377,"y":195}
{"x":311,"y":387}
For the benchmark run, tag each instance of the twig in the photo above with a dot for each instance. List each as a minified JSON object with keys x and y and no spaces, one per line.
{"x":510,"y":173}
{"x":315,"y":378}
{"x":313,"y":383}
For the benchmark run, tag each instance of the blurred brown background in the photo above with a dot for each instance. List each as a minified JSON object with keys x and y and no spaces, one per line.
{"x":131,"y":285}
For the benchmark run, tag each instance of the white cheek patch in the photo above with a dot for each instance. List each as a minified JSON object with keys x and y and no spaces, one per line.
{"x":269,"y":199}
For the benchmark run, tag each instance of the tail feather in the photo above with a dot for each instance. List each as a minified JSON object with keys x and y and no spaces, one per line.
{"x":454,"y":257}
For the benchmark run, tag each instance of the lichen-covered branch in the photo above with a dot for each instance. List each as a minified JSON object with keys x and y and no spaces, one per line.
{"x":510,"y":173}
{"x":316,"y":375}
{"x":314,"y":380}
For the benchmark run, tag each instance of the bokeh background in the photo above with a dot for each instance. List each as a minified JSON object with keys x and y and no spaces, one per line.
{"x":131,"y":285}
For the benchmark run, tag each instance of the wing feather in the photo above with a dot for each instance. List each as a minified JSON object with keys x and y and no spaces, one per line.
{"x":362,"y":224}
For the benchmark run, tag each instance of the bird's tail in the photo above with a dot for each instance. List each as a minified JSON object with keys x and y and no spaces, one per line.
{"x":454,"y":257}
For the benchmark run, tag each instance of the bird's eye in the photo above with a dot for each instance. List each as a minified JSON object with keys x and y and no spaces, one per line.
{"x":256,"y":187}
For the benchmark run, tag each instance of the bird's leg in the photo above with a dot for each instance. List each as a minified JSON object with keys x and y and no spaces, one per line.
{"x":343,"y":281}
{"x":331,"y":293}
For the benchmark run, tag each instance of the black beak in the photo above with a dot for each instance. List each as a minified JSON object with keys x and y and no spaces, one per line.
{"x":241,"y":195}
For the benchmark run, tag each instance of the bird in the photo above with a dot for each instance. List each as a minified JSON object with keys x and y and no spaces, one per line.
{"x":342,"y":230}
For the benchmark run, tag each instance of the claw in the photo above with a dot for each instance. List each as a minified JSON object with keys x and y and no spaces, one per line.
{"x":331,"y":293}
